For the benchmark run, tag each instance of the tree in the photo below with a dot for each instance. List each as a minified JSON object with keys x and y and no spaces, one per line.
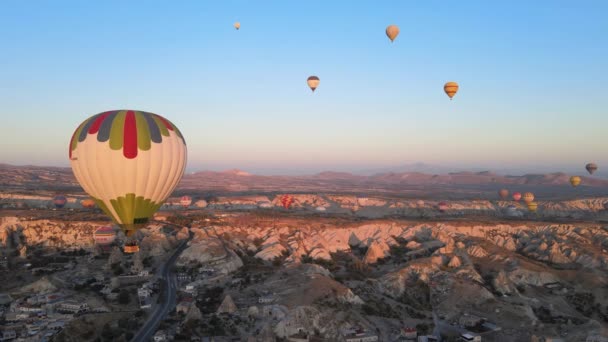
{"x":123,"y":297}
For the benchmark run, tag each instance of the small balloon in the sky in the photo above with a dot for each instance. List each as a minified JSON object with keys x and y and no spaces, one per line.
{"x":516,"y":196}
{"x":503,"y":193}
{"x":313,"y":82}
{"x":392,"y":31}
{"x":591,"y":168}
{"x":237,"y":25}
{"x":575,"y":181}
{"x":451,"y":88}
{"x":528,"y":197}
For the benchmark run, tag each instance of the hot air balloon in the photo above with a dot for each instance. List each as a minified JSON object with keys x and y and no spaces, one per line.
{"x":503,"y":193}
{"x":443,"y":206}
{"x":88,"y":203}
{"x":532,"y":206}
{"x":104,"y":236}
{"x":420,"y":203}
{"x":237,"y":25}
{"x":286,"y":201}
{"x":451,"y":88}
{"x":591,"y":168}
{"x":528,"y":197}
{"x":185,"y":201}
{"x":59,"y":201}
{"x":129,"y":162}
{"x":313,"y":82}
{"x":575,"y":181}
{"x":392,"y":31}
{"x":516,"y":196}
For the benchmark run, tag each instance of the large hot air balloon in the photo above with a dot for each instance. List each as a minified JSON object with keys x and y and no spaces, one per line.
{"x":59,"y":201}
{"x":392,"y":31}
{"x":450,"y":88}
{"x":443,"y":206}
{"x":516,"y":196}
{"x":591,"y":168}
{"x":528,"y":197}
{"x":87,"y":203}
{"x":129,"y":162}
{"x":237,"y":25}
{"x":575,"y":181}
{"x":532,"y":206}
{"x":313,"y":82}
{"x":503,"y":193}
{"x":185,"y":201}
{"x":286,"y":201}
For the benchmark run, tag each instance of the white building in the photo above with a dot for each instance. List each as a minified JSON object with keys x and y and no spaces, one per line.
{"x":73,"y":307}
{"x":160,"y":336}
{"x":470,"y":337}
{"x":358,"y":335}
{"x":266,"y":299}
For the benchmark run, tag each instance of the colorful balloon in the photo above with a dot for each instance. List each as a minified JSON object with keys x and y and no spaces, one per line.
{"x":503,"y":193}
{"x":450,"y":88}
{"x":88,"y":203}
{"x":129,"y":162}
{"x":185,"y":201}
{"x":591,"y":168}
{"x":286,"y":201}
{"x":528,"y":197}
{"x":104,"y":236}
{"x":532,"y":206}
{"x":443,"y":206}
{"x":516,"y":196}
{"x":237,"y":25}
{"x":392,"y":31}
{"x":313,"y":82}
{"x":59,"y":201}
{"x":575,"y":181}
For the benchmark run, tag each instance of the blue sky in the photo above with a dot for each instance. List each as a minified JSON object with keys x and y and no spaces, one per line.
{"x":532,"y":78}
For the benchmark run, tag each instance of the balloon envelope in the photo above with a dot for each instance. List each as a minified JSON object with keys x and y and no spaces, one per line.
{"x":313,"y":82}
{"x":503,"y":193}
{"x":528,"y":197}
{"x":88,"y":203}
{"x":60,"y":201}
{"x":129,"y":162}
{"x":185,"y":201}
{"x":532,"y":206}
{"x":286,"y":201}
{"x":392,"y":31}
{"x":237,"y":25}
{"x":575,"y":181}
{"x":442,"y":206}
{"x":516,"y":196}
{"x":591,"y":168}
{"x":450,"y":88}
{"x":105,"y":236}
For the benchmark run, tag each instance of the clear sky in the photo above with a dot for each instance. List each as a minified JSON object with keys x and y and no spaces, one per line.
{"x":532,"y":78}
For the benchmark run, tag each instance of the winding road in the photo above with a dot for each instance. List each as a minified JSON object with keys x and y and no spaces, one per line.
{"x":162,"y":309}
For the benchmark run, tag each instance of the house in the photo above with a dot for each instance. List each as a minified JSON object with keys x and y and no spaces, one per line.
{"x":184,"y":277}
{"x":409,"y":333}
{"x":470,"y":337}
{"x":358,"y":335}
{"x":73,"y":307}
{"x":160,"y":336}
{"x":8,"y":335}
{"x":266,"y":299}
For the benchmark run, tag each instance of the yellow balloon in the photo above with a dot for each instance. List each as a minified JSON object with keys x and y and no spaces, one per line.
{"x":575,"y":181}
{"x":392,"y":31}
{"x":451,"y":88}
{"x":532,"y":206}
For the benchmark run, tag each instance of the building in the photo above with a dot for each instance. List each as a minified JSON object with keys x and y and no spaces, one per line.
{"x":160,"y":336}
{"x":470,"y":337}
{"x":184,"y":277}
{"x":358,"y":335}
{"x":73,"y":307}
{"x":266,"y":299}
{"x":7,"y":335}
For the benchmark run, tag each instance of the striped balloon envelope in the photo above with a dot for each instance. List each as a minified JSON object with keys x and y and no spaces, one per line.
{"x":129,"y":162}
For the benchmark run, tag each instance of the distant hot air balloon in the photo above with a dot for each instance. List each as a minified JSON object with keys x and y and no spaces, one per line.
{"x":420,"y":203}
{"x":591,"y":168}
{"x":286,"y":201}
{"x":87,"y":203}
{"x":129,"y":162}
{"x":185,"y":201}
{"x":532,"y":206}
{"x":313,"y":82}
{"x":516,"y":196}
{"x":450,"y":88}
{"x":575,"y":181}
{"x":503,"y":193}
{"x":528,"y":197}
{"x":443,"y":206}
{"x":104,"y":236}
{"x":392,"y":31}
{"x":59,"y":201}
{"x":237,"y":25}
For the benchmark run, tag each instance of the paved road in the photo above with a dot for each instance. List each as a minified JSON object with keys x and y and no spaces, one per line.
{"x":162,"y":310}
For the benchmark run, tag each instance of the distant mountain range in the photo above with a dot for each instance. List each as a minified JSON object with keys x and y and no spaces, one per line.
{"x":419,"y":183}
